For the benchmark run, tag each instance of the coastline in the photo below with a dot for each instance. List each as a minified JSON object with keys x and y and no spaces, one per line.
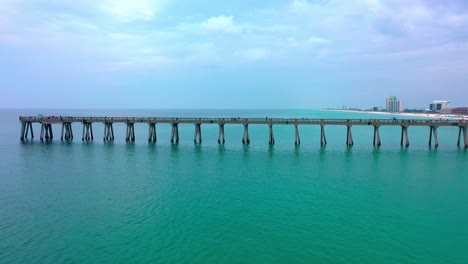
{"x":401,"y":114}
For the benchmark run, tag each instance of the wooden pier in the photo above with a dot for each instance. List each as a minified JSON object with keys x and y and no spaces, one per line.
{"x":88,"y":135}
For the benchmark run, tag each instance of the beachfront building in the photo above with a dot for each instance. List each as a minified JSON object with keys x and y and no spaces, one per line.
{"x":438,"y":106}
{"x":377,"y":109}
{"x":393,"y":104}
{"x":455,"y":111}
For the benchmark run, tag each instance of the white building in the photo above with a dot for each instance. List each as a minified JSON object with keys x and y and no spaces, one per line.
{"x":437,"y":106}
{"x":393,"y":104}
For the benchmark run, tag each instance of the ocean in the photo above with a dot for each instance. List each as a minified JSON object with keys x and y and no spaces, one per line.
{"x":96,"y":202}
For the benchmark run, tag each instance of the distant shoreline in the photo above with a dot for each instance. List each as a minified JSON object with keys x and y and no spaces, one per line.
{"x":428,"y":115}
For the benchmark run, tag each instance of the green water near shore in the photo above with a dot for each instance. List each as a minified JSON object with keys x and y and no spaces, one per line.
{"x":143,"y":203}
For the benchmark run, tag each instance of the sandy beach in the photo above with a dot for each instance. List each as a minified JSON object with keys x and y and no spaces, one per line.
{"x":406,"y":115}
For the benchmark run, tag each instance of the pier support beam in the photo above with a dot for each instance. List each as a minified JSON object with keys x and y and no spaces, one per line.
{"x":433,"y":131}
{"x":46,"y":132}
{"x":25,"y":128}
{"x":108,"y":131}
{"x":87,"y":131}
{"x":245,"y":137}
{"x":271,"y":136}
{"x":349,"y":136}
{"x":197,"y":133}
{"x":130,"y":136}
{"x":323,"y":138}
{"x":221,"y":139}
{"x":376,"y":141}
{"x":404,"y":134}
{"x":152,"y":133}
{"x":175,"y":133}
{"x":67,"y":131}
{"x":462,"y":130}
{"x":297,"y":138}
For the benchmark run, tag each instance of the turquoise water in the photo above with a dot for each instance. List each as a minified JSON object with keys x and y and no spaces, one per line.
{"x":143,"y":203}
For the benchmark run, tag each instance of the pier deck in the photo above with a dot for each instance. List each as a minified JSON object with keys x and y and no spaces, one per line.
{"x":240,"y":121}
{"x":87,"y":134}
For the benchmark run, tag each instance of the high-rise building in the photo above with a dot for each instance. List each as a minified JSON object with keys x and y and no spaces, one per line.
{"x":437,"y":106}
{"x":393,"y":104}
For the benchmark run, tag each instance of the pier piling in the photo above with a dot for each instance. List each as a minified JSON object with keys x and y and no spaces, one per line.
{"x":25,"y":128}
{"x":221,"y":139}
{"x":433,"y":131}
{"x":349,"y":137}
{"x":465,"y":136}
{"x":46,"y":132}
{"x":87,"y":131}
{"x":376,"y":141}
{"x":63,"y":130}
{"x":462,"y":131}
{"x":404,"y":135}
{"x":297,"y":138}
{"x":67,"y":131}
{"x":130,"y":136}
{"x":175,"y":133}
{"x":245,"y":137}
{"x":152,"y":133}
{"x":323,"y":138}
{"x":108,"y":132}
{"x":271,"y":136}
{"x":197,"y":134}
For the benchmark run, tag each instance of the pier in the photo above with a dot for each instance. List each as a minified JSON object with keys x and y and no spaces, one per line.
{"x":88,"y":135}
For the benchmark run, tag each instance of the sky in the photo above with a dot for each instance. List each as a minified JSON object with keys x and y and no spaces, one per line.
{"x":262,"y":54}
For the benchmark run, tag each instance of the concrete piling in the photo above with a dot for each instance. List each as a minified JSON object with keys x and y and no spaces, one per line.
{"x":152,"y":133}
{"x":70,"y":130}
{"x":197,"y":133}
{"x":349,"y":135}
{"x":221,"y":139}
{"x":130,"y":135}
{"x":87,"y":131}
{"x":271,"y":136}
{"x":462,"y":131}
{"x":245,"y":137}
{"x":67,"y":131}
{"x":323,"y":138}
{"x":41,"y":137}
{"x":108,"y":132}
{"x":465,"y":136}
{"x":26,"y":129}
{"x":23,"y":128}
{"x":376,"y":141}
{"x":433,"y":131}
{"x":63,"y":130}
{"x":404,"y":135}
{"x":297,"y":138}
{"x":46,"y":132}
{"x":175,"y":133}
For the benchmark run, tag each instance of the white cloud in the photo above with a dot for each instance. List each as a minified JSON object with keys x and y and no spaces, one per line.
{"x":129,"y":11}
{"x":300,"y":5}
{"x":223,"y":24}
{"x":301,"y":27}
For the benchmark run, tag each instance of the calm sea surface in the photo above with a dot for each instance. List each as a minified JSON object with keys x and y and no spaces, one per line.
{"x":160,"y":203}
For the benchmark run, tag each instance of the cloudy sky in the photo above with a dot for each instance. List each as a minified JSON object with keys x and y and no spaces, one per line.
{"x":232,"y":54}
